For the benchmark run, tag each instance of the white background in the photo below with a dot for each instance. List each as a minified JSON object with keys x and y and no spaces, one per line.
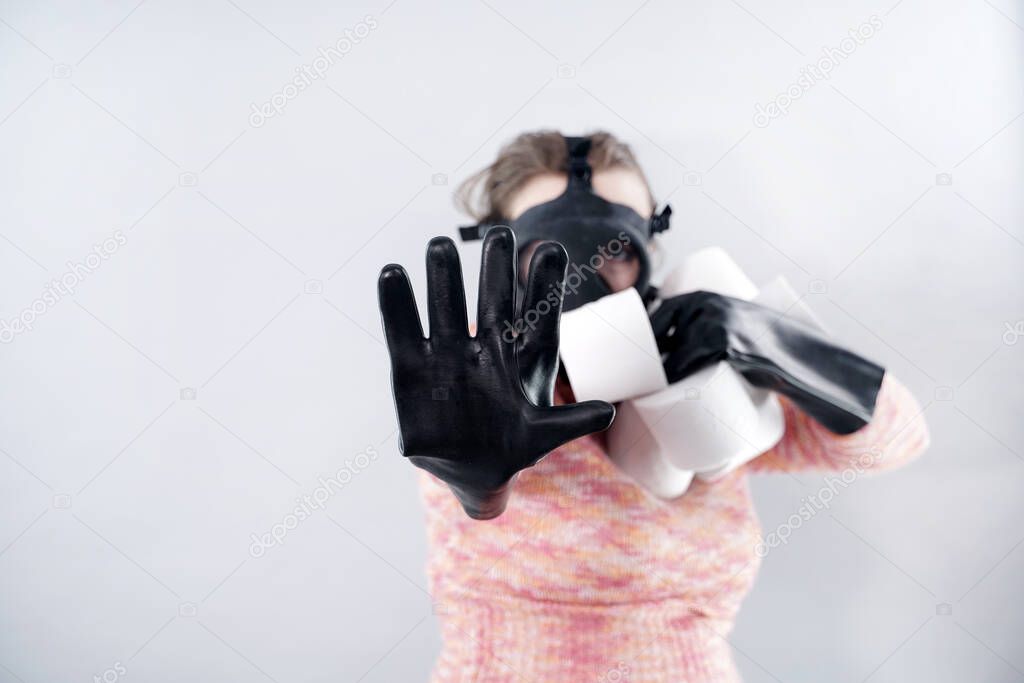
{"x":126,"y":511}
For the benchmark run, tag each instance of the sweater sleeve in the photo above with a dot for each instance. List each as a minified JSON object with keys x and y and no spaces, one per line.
{"x":896,"y":434}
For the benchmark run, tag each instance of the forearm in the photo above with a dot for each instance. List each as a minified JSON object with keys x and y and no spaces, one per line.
{"x":896,"y":434}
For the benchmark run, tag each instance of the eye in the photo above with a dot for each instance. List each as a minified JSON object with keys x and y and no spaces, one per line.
{"x":626,"y":255}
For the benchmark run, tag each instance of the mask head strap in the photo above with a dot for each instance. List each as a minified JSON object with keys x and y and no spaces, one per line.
{"x":660,"y":221}
{"x":577,"y":166}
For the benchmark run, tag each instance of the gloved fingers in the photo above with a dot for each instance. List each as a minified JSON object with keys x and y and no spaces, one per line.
{"x":663,"y":317}
{"x":670,"y":318}
{"x":543,"y":302}
{"x":496,"y":303}
{"x":697,"y":348}
{"x":446,"y":296}
{"x":398,"y":312}
{"x":684,"y":363}
{"x":557,"y":425}
{"x":682,"y":311}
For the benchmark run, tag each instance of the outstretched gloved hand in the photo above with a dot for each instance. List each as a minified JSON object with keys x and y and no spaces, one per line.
{"x":835,"y":387}
{"x":475,"y":410}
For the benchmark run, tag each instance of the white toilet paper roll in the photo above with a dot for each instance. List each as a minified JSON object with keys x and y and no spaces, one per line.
{"x":609,"y":351}
{"x":712,"y":419}
{"x":712,"y":270}
{"x":638,"y":454}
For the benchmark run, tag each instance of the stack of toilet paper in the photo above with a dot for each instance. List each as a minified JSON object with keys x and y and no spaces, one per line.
{"x":704,"y":425}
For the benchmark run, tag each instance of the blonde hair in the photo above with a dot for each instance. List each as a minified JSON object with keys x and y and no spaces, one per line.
{"x":486,"y":195}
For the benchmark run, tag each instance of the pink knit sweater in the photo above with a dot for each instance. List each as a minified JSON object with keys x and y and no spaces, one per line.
{"x":587,"y":577}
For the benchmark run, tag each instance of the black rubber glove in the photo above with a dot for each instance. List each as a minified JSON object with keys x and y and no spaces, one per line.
{"x":832,"y":385}
{"x":474,"y":411}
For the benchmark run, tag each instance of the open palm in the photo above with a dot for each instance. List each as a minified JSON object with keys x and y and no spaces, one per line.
{"x":475,"y":410}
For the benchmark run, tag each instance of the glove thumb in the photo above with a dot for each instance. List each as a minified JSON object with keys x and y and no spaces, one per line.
{"x":557,"y":425}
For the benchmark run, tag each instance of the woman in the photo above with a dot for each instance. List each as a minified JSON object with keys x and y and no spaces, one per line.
{"x":579,"y":573}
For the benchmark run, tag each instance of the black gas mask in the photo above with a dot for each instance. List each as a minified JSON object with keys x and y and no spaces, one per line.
{"x":592,"y":230}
